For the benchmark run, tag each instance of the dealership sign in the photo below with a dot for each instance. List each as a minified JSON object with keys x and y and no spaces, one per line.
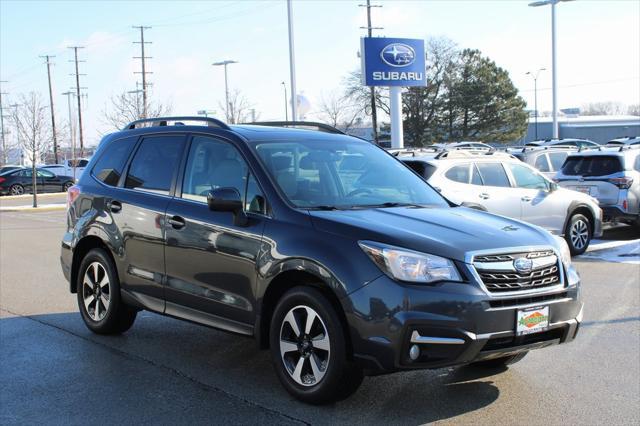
{"x":393,"y":61}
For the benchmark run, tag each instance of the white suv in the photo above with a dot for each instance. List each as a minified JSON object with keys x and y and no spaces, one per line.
{"x":500,"y":183}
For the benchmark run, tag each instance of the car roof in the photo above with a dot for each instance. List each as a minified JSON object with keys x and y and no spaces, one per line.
{"x":256,"y":132}
{"x":608,"y":151}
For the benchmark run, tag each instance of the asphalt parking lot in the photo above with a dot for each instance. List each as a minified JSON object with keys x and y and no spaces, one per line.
{"x":53,"y":370}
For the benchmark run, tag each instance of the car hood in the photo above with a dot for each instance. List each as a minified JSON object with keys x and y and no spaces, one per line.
{"x":449,"y":232}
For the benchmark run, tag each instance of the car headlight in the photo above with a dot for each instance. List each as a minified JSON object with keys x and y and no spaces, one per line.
{"x":407,"y":265}
{"x":565,"y":253}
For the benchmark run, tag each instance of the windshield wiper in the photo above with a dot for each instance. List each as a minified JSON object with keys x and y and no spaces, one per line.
{"x":325,"y":208}
{"x":392,"y":204}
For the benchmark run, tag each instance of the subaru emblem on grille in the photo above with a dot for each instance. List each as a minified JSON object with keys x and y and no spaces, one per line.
{"x":523,"y":265}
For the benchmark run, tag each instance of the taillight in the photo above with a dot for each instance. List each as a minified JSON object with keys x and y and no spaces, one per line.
{"x":72,"y":193}
{"x":625,"y":205}
{"x":2,"y":179}
{"x":622,"y":183}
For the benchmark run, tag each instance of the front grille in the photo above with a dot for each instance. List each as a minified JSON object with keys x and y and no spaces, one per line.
{"x":499,"y":275}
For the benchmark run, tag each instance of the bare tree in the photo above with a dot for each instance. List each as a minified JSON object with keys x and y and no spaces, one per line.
{"x":127,"y":107}
{"x":361,"y":95}
{"x":240,"y":109}
{"x":633,"y":109}
{"x":34,"y":131}
{"x":603,"y":108}
{"x":339,"y":111}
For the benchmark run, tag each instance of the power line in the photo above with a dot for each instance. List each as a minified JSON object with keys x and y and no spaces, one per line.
{"x":53,"y":117}
{"x":144,"y":71}
{"x":77,"y":88}
{"x":370,"y":28}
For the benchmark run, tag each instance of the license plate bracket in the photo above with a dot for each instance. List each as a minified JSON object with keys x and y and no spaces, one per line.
{"x":532,"y":320}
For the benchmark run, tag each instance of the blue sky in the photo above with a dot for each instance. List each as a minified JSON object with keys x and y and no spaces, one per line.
{"x":599,"y":47}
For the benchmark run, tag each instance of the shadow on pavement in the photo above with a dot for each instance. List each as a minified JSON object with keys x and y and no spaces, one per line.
{"x":169,"y":371}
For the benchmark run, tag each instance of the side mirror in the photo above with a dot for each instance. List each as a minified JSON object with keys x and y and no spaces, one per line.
{"x":553,"y":187}
{"x":227,"y":200}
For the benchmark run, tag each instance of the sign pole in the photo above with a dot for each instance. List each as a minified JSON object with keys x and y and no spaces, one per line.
{"x":395,"y":98}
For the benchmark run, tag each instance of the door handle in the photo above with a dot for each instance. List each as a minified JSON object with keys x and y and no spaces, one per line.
{"x":115,"y":206}
{"x":176,"y":222}
{"x":526,"y":199}
{"x":484,"y":196}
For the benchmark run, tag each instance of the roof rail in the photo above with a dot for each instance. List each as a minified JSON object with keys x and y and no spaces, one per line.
{"x":321,"y":127}
{"x":396,"y":152}
{"x":470,"y":153}
{"x":163,"y":121}
{"x":625,"y":147}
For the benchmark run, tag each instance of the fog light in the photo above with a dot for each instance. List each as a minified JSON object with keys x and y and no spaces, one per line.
{"x":414,"y":352}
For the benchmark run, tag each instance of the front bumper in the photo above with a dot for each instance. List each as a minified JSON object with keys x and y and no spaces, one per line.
{"x":451,"y":323}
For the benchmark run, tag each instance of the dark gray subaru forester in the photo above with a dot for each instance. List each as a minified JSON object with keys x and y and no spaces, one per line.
{"x":321,"y":246}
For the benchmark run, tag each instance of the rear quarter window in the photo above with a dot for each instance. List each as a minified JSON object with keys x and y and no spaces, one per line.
{"x":423,"y":169}
{"x":109,"y":167}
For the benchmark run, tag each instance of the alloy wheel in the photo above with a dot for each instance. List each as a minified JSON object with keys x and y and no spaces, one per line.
{"x":304,"y":345}
{"x":579,"y":234}
{"x":17,"y":190}
{"x":95,"y":291}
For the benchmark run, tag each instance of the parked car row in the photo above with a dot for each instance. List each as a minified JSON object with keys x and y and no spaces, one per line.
{"x":500,"y":183}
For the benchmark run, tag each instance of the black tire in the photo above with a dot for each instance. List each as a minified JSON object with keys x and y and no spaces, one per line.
{"x":500,"y":362}
{"x":340,"y":377}
{"x":66,"y":186}
{"x":16,"y":189}
{"x":578,"y":234}
{"x":118,"y":317}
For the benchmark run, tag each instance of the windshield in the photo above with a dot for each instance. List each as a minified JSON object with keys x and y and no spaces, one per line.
{"x":343,"y":174}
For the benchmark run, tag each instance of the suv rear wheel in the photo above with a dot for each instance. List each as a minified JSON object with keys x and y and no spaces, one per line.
{"x":578,"y":233}
{"x":309,"y":349}
{"x":99,"y":299}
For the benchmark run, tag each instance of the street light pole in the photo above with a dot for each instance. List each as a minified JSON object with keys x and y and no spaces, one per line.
{"x":226,"y":84}
{"x":292,"y":64}
{"x":535,"y":95}
{"x":72,"y":133}
{"x":554,"y":80}
{"x":286,"y":112}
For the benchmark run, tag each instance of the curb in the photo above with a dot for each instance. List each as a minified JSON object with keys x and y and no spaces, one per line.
{"x":45,"y":208}
{"x":26,"y":196}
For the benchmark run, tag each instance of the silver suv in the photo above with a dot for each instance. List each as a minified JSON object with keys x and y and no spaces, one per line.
{"x":612,"y":175}
{"x":547,"y":159}
{"x":580,"y":143}
{"x":500,"y":183}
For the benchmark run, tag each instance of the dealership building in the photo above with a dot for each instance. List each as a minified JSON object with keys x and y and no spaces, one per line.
{"x":598,"y":128}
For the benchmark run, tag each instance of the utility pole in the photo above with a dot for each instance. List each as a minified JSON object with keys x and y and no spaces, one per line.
{"x":77,"y":74}
{"x":72,"y":136}
{"x":4,"y":144}
{"x":53,"y":117}
{"x":369,"y":28}
{"x":286,"y":113}
{"x":144,"y":71}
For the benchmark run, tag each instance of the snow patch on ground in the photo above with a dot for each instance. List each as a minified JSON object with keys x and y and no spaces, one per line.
{"x":614,"y":251}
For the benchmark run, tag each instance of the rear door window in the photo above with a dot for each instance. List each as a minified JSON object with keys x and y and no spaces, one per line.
{"x":493,"y":174}
{"x":109,"y":167}
{"x":154,"y":164}
{"x":459,"y":173}
{"x":592,"y":165}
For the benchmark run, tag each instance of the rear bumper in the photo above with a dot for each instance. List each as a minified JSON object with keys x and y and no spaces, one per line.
{"x":66,"y":256}
{"x":452,"y":324}
{"x":616,"y":214}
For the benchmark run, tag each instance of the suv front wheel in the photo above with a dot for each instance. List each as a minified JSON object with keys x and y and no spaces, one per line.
{"x":578,"y":233}
{"x":309,"y":349}
{"x":99,"y":299}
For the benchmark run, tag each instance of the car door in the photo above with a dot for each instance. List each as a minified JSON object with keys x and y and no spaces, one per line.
{"x":539,"y":205}
{"x":496,"y":193}
{"x":137,"y":209}
{"x":49,"y":181}
{"x":26,"y":180}
{"x":210,"y":258}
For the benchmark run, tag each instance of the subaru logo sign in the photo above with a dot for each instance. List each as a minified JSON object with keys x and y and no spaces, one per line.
{"x":523,"y":265}
{"x":398,"y":55}
{"x":393,"y":62}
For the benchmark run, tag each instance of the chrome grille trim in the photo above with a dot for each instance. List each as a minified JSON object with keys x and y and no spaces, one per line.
{"x":499,"y":279}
